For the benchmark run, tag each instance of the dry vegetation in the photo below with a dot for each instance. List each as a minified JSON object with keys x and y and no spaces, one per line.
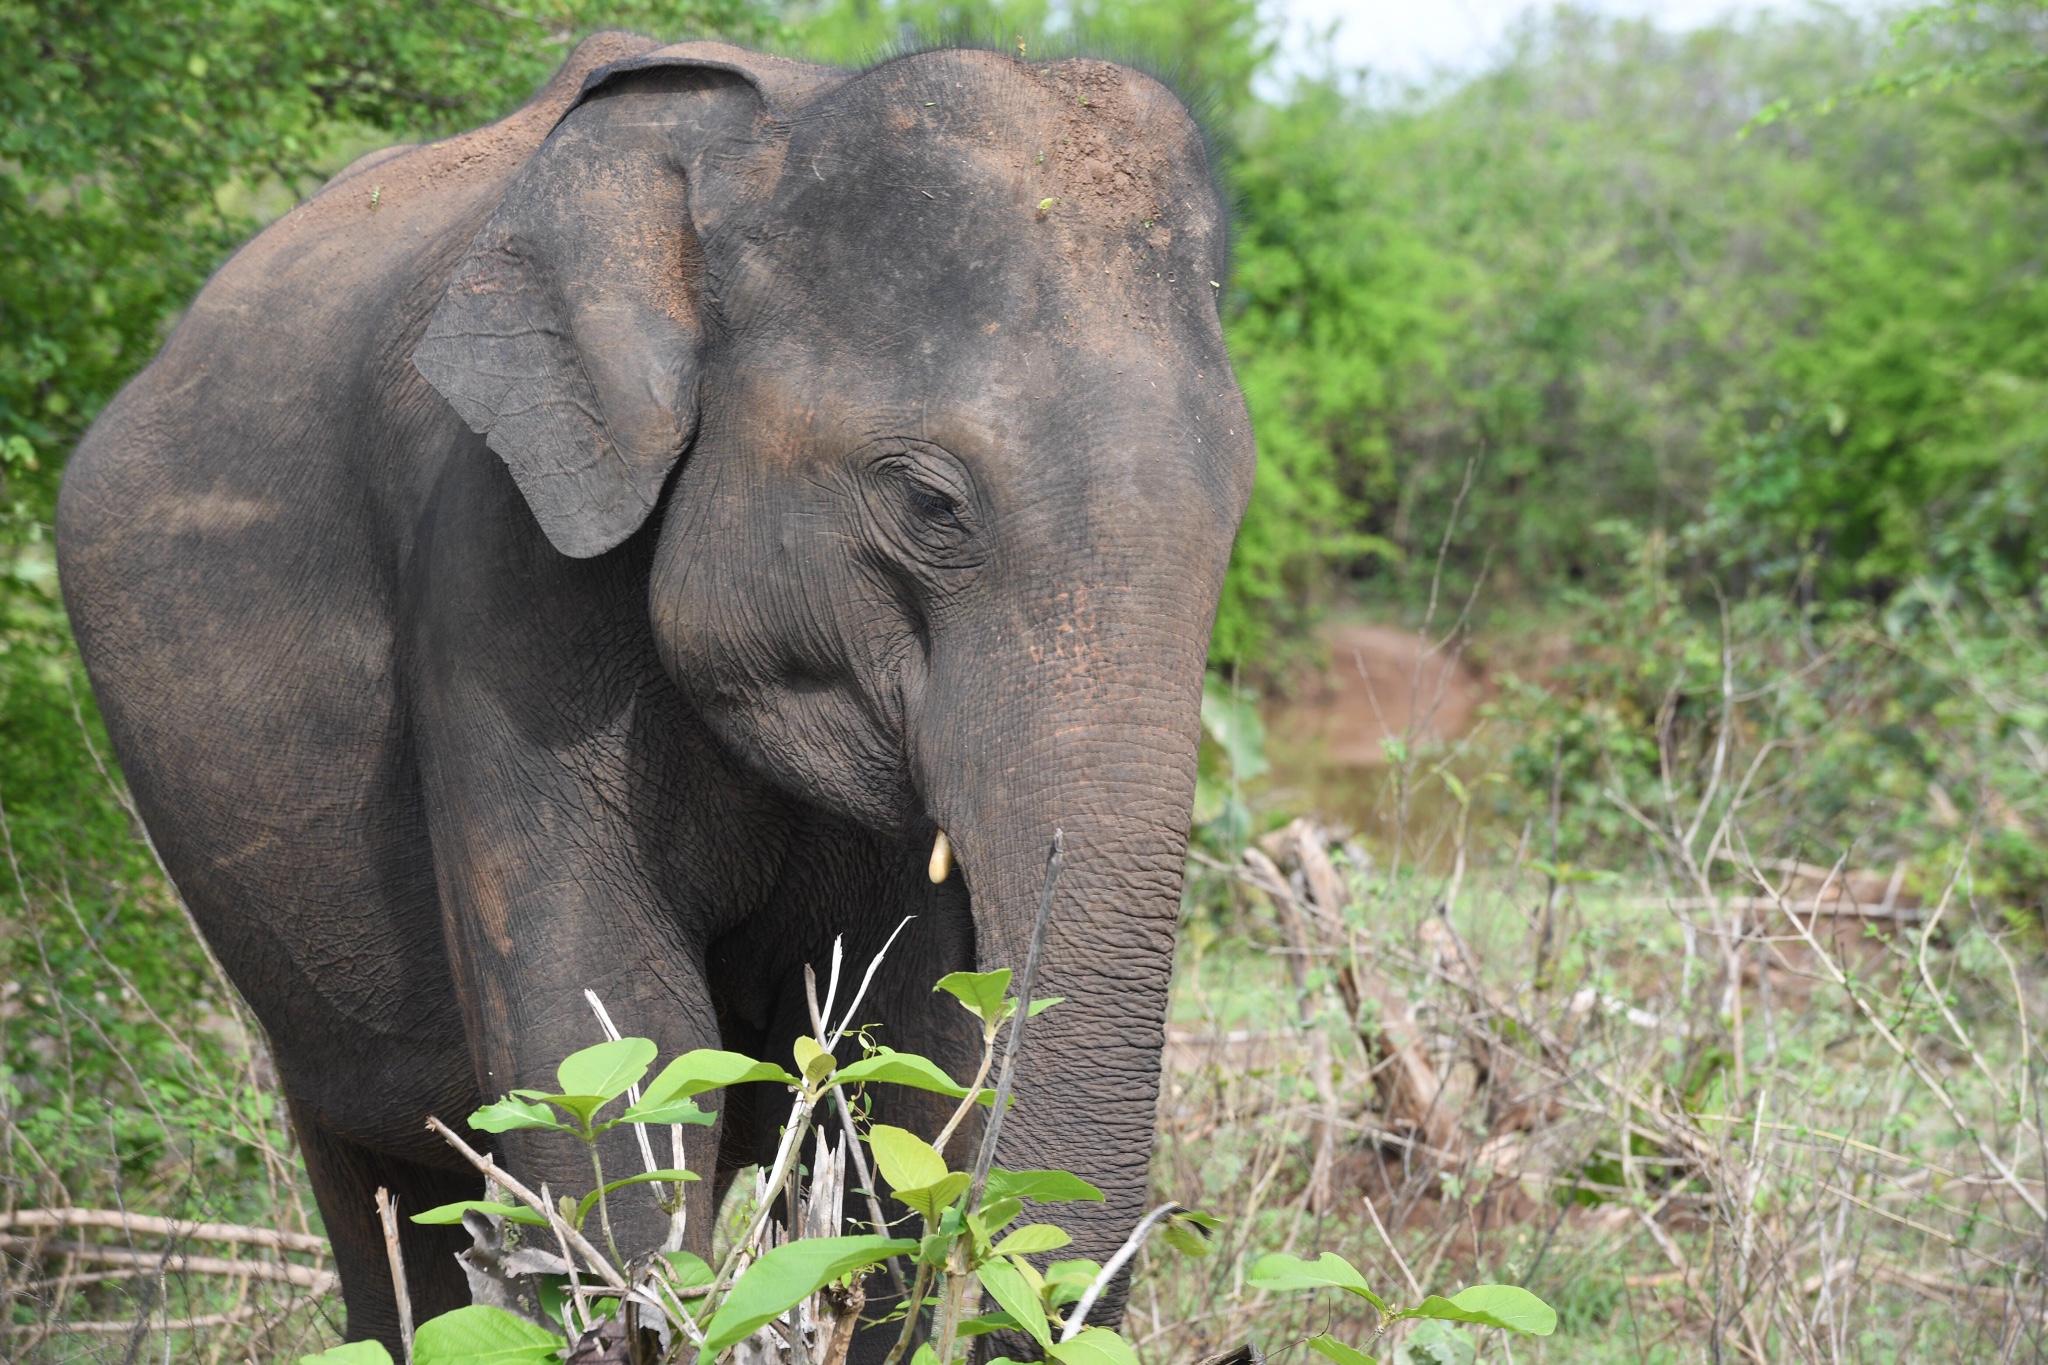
{"x":1734,"y":1108}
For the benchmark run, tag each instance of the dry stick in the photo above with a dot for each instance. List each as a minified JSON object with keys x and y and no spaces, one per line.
{"x":676,"y":1217}
{"x":591,"y":1255}
{"x":1078,"y":1319}
{"x":957,"y":1279}
{"x":573,"y":1308}
{"x":793,"y":1134}
{"x":118,"y":1326}
{"x":148,"y":1225}
{"x":300,"y":1276}
{"x":867,"y":978}
{"x":387,"y":1214}
{"x":1940,"y":997}
{"x":1287,"y":909}
{"x":140,"y":1328}
{"x":1054,"y":862}
{"x":1392,"y":1250}
{"x":611,"y":1031}
{"x":845,"y":1112}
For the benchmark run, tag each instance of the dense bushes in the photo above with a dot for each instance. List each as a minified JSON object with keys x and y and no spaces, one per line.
{"x":1810,"y":351}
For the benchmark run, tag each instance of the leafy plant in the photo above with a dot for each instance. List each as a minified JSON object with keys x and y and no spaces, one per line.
{"x":800,"y":1300}
{"x":1486,"y":1305}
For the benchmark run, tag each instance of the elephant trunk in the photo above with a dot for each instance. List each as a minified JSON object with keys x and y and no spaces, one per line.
{"x":1070,"y":740}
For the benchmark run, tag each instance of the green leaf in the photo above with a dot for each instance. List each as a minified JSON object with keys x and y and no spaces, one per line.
{"x":508,"y":1114}
{"x":690,"y":1269}
{"x":1279,"y":1271}
{"x":704,"y":1069}
{"x":482,"y":1335}
{"x":906,"y":1160}
{"x":789,"y":1274}
{"x":1232,"y":720}
{"x":1033,"y":1238}
{"x":1044,"y":1003}
{"x":1491,"y":1305}
{"x":607,"y":1069}
{"x":906,"y":1068}
{"x":1045,"y":1187}
{"x":553,"y":1293}
{"x":935,"y":1247}
{"x":354,"y":1353}
{"x":933,"y":1199}
{"x":1327,"y":1345}
{"x":589,"y":1200}
{"x":1010,"y":1289}
{"x":989,"y":1322}
{"x":452,"y":1213}
{"x":584,"y":1107}
{"x":1189,"y":1233}
{"x":981,"y":992}
{"x":1093,"y":1346}
{"x":668,"y":1111}
{"x":812,"y":1061}
{"x":1067,"y":1281}
{"x":995,"y":1214}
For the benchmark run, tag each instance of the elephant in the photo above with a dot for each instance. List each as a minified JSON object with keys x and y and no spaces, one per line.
{"x":606,"y":550}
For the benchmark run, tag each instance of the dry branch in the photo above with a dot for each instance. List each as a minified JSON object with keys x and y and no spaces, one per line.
{"x":305,"y":1277}
{"x":149,"y":1226}
{"x":120,"y":1326}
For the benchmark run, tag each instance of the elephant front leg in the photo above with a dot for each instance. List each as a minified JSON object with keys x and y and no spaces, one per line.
{"x":538,"y":923}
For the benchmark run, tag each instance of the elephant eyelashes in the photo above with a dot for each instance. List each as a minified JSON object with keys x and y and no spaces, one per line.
{"x":924,"y":496}
{"x":935,"y":506}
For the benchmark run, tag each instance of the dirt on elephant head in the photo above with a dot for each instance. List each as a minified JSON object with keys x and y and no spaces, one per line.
{"x":1104,"y":160}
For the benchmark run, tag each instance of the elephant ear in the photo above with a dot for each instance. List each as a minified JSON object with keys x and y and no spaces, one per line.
{"x":570,"y":334}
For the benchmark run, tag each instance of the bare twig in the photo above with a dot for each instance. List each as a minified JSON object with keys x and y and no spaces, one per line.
{"x":1400,"y":1261}
{"x":982,"y":1159}
{"x":387,"y":1214}
{"x":876,"y":1221}
{"x":1910,"y":1057}
{"x":1111,"y":1268}
{"x":149,"y":1226}
{"x":304,"y":1277}
{"x":590,"y":1254}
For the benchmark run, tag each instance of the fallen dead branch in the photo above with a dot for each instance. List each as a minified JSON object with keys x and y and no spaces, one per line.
{"x":146,"y":1225}
{"x":169,"y":1263}
{"x":122,"y":1326}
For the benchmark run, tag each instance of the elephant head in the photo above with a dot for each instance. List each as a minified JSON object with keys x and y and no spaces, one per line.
{"x":923,"y":367}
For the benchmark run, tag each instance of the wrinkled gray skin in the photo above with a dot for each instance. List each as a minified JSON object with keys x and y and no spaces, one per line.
{"x":600,"y":550}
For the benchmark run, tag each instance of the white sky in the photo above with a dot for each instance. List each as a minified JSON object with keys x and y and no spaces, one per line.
{"x":1410,"y":40}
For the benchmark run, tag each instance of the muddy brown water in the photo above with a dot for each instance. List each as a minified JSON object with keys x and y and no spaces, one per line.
{"x":1327,"y":742}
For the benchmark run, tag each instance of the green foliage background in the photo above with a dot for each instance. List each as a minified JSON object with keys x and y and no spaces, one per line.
{"x":1634,"y":345}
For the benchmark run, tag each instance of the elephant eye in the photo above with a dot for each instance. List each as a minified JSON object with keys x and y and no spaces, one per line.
{"x":923,"y":503}
{"x":933,"y":504}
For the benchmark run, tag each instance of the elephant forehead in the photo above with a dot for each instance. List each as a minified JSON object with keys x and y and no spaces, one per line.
{"x":970,"y":177}
{"x":1108,"y":145}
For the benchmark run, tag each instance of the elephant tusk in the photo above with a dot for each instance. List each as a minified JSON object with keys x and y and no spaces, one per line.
{"x":942,"y":858}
